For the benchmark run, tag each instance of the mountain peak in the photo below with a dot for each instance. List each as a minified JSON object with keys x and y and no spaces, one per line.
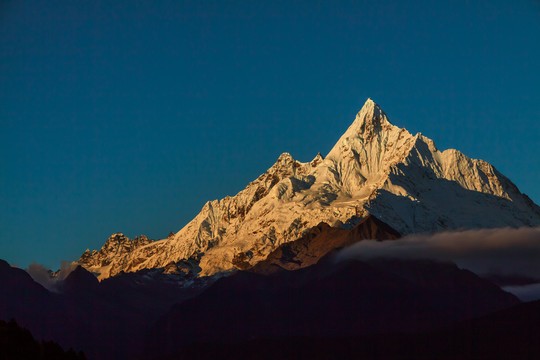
{"x":369,"y":121}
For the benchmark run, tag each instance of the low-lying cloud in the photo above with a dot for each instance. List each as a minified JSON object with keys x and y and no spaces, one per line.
{"x":504,"y":251}
{"x":42,"y":275}
{"x":525,"y":292}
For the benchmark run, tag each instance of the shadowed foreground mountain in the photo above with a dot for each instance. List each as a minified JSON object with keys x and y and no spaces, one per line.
{"x":106,"y":320}
{"x":508,"y":334}
{"x":17,"y":343}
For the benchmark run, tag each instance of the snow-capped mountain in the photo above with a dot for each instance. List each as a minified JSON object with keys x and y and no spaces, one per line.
{"x":375,"y":168}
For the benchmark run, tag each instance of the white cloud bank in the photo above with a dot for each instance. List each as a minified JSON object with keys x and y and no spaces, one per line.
{"x":504,"y":251}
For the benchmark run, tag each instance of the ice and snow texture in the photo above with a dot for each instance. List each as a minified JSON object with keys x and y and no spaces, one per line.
{"x":375,"y":167}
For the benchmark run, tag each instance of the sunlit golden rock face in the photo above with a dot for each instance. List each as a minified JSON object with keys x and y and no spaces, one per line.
{"x":374,"y":168}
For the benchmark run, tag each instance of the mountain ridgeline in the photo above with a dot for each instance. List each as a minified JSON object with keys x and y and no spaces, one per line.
{"x":374,"y":168}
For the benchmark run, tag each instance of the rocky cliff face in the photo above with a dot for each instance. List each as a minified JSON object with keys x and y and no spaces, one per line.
{"x":317,"y":243}
{"x":115,"y":255}
{"x":375,"y":168}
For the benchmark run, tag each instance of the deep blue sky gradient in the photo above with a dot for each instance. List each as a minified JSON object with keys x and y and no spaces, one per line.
{"x":127,"y":116}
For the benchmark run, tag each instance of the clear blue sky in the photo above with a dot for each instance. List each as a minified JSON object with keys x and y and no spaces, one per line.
{"x":127,"y":116}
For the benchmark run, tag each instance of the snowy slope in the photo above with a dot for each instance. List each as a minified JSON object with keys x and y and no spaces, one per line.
{"x":375,"y":167}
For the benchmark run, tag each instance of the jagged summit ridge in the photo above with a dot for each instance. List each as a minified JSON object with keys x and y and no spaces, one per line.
{"x":369,"y":121}
{"x":374,"y":168}
{"x":114,"y":254}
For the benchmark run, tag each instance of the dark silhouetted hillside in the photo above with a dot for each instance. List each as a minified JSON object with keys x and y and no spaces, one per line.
{"x":17,"y":343}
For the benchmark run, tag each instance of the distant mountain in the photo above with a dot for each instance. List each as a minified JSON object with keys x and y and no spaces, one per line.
{"x":375,"y":168}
